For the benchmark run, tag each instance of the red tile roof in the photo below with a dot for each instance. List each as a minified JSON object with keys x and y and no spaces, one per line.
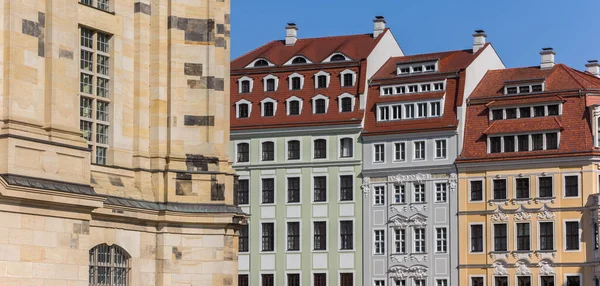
{"x":451,"y":67}
{"x":562,"y":83}
{"x":512,"y":126}
{"x":357,"y":47}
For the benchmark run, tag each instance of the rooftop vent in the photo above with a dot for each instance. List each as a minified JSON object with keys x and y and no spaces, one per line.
{"x":547,"y":58}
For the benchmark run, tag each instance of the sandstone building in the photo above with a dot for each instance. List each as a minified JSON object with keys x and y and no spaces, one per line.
{"x":114,"y":144}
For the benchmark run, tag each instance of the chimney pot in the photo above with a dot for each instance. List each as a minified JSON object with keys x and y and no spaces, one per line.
{"x":479,"y":39}
{"x":379,"y":26}
{"x":547,"y":58}
{"x":291,"y":34}
{"x":593,"y":67}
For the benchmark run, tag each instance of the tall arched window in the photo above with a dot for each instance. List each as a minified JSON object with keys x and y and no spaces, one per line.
{"x":109,"y":265}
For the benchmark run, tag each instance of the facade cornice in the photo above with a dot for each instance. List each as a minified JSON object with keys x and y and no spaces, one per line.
{"x":490,"y":164}
{"x":327,"y":163}
{"x":309,"y":67}
{"x":295,"y":131}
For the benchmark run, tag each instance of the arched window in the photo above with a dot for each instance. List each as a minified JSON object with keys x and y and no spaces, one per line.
{"x":293,"y":150}
{"x":299,"y":60}
{"x":109,"y":265}
{"x":243,"y":152}
{"x":243,"y":111}
{"x":338,"y":58}
{"x":268,"y":151}
{"x":320,"y":149}
{"x":261,"y":63}
{"x":320,"y":106}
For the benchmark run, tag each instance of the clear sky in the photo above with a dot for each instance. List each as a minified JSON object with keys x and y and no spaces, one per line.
{"x":518,"y":29}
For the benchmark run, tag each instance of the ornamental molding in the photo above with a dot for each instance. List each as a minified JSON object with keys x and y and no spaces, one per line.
{"x":408,"y":208}
{"x":400,"y":179}
{"x":403,"y":272}
{"x":366,"y":186}
{"x":499,"y":215}
{"x":453,"y":182}
{"x":522,"y":268}
{"x":546,"y":267}
{"x":500,"y":268}
{"x":597,"y":110}
{"x":522,"y":214}
{"x":402,"y":222}
{"x":544,"y":213}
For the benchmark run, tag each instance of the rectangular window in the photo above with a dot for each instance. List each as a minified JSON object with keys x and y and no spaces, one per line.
{"x":441,"y":239}
{"x":322,"y":81}
{"x":539,"y":111}
{"x":572,"y":235}
{"x":547,"y":281}
{"x":296,"y":83}
{"x":522,"y":188}
{"x":268,"y":236}
{"x":419,"y":240}
{"x":243,"y":242}
{"x":294,"y":107}
{"x":441,"y":282}
{"x":523,"y":237}
{"x":500,"y":189}
{"x":436,"y":109}
{"x":421,"y":110}
{"x":409,"y":111}
{"x":523,"y":281}
{"x":346,"y":279}
{"x":396,"y":112}
{"x":553,"y":110}
{"x":509,"y":144}
{"x":413,"y":88}
{"x":320,"y":235}
{"x":545,"y":189}
{"x":243,"y":192}
{"x":268,"y":191}
{"x":268,"y":109}
{"x":440,"y":149}
{"x":320,"y":106}
{"x":497,"y":114}
{"x":384,"y":113}
{"x":571,"y":186}
{"x":551,"y":141}
{"x":268,"y":280}
{"x":399,"y":194}
{"x":400,"y":90}
{"x":524,"y":89}
{"x":346,"y":235}
{"x":524,"y":112}
{"x":420,"y":282}
{"x":348,"y":78}
{"x":268,"y":151}
{"x":271,"y":84}
{"x":511,"y":90}
{"x":420,"y":150}
{"x":425,"y":87}
{"x":346,"y":148}
{"x":379,"y":242}
{"x":400,"y":282}
{"x":243,"y":280}
{"x":441,"y":192}
{"x":243,"y":152}
{"x":573,"y":280}
{"x":293,"y":236}
{"x":246,"y":86}
{"x":293,"y":150}
{"x":502,"y":281}
{"x":511,"y":113}
{"x":500,"y":237}
{"x":320,"y":149}
{"x":379,"y":195}
{"x":476,"y":281}
{"x":243,"y":111}
{"x":476,"y":191}
{"x":523,"y":142}
{"x":400,"y":240}
{"x":379,"y":153}
{"x":400,"y":152}
{"x":538,"y":142}
{"x":438,"y":86}
{"x":546,"y":236}
{"x":379,"y":282}
{"x":495,"y":144}
{"x":476,"y":238}
{"x":320,"y":189}
{"x":346,"y":188}
{"x":419,"y":193}
{"x":320,"y":279}
{"x":293,"y":279}
{"x":293,"y":190}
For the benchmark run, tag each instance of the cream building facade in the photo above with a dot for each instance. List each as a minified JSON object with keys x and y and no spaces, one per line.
{"x":114,"y":144}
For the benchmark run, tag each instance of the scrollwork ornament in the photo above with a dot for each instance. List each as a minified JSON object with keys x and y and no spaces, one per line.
{"x":522,"y":268}
{"x":453,"y":182}
{"x":546,"y":267}
{"x":545,"y":213}
{"x":522,"y":214}
{"x":366,"y":186}
{"x":499,"y":268}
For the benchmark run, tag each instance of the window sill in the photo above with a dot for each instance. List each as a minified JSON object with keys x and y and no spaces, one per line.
{"x":498,"y":202}
{"x":346,"y":250}
{"x":96,"y":8}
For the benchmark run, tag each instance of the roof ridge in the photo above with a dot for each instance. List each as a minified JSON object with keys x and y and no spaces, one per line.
{"x":585,"y":76}
{"x":568,"y":71}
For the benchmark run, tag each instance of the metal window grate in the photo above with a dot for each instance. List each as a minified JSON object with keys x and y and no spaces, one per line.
{"x":109,"y":265}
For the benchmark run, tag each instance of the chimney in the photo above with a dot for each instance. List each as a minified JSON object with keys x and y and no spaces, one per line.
{"x":379,"y":26}
{"x":547,"y":58}
{"x":593,"y":67}
{"x":291,"y":34}
{"x":478,"y":40}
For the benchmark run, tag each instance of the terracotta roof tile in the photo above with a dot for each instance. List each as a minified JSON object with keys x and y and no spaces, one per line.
{"x":512,"y":126}
{"x":524,"y":100}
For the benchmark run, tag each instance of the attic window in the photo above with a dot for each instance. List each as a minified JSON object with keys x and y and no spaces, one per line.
{"x":523,"y":88}
{"x":430,"y":68}
{"x":299,"y":60}
{"x":261,"y":63}
{"x":410,"y":68}
{"x":338,"y":58}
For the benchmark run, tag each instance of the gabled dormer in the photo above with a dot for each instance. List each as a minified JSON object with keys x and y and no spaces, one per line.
{"x":417,"y":67}
{"x":298,"y":60}
{"x":260,"y":63}
{"x":337,"y":57}
{"x":524,"y":87}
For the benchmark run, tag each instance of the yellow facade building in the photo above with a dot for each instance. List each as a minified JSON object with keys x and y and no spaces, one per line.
{"x":114,"y":166}
{"x":528,"y":182}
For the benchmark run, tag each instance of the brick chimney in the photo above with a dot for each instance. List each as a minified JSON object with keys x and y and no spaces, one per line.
{"x":291,"y":34}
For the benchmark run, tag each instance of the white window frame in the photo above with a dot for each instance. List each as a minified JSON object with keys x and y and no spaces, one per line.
{"x":539,"y":233}
{"x":347,"y":71}
{"x":287,"y":140}
{"x":262,"y":107}
{"x":493,"y":237}
{"x":431,"y":103}
{"x":260,"y":148}
{"x":414,"y":190}
{"x":265,"y":82}
{"x":328,"y":59}
{"x":445,"y":239}
{"x":435,"y":185}
{"x":249,"y":152}
{"x":376,"y":194}
{"x":260,"y":189}
{"x":292,"y":272}
{"x":572,"y":274}
{"x":553,"y":185}
{"x":314,"y":99}
{"x":380,"y":114}
{"x":398,"y":189}
{"x":516,"y":235}
{"x":405,"y":88}
{"x":564,"y":234}
{"x":564,"y":189}
{"x":287,"y":176}
{"x":415,"y":150}
{"x":287,"y":104}
{"x":382,"y":241}
{"x":322,"y":73}
{"x":445,"y":150}
{"x":469,"y":237}
{"x":340,"y":138}
{"x":476,"y":276}
{"x":414,"y":240}
{"x":346,"y":95}
{"x":251,"y":65}
{"x":290,"y":61}
{"x":245,"y":78}
{"x":339,"y":188}
{"x":412,"y":66}
{"x":375,"y":161}
{"x":293,"y":76}
{"x":339,"y":234}
{"x":312,"y":188}
{"x":260,"y":231}
{"x":312,"y":235}
{"x":394,"y":240}
{"x":395,"y":160}
{"x":237,"y":107}
{"x":483,"y":195}
{"x":312,"y":148}
{"x":299,"y":221}
{"x":518,"y":86}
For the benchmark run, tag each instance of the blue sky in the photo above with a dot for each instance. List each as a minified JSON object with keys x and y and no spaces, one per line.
{"x":518,"y":29}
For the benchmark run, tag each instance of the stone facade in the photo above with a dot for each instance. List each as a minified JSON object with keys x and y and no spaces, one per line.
{"x":147,"y":85}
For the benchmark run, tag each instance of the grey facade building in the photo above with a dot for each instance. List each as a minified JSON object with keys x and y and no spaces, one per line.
{"x":411,"y":139}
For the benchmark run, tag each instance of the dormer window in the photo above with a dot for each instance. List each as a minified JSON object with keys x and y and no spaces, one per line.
{"x":320,"y":104}
{"x":425,"y":87}
{"x":409,"y":68}
{"x":337,"y":58}
{"x":417,"y":69}
{"x":404,"y":70}
{"x":269,"y":107}
{"x":270,"y":82}
{"x":438,"y":86}
{"x":524,"y":88}
{"x":261,"y":63}
{"x":243,"y":108}
{"x":413,"y":88}
{"x":245,"y":84}
{"x":430,"y":68}
{"x":299,"y":60}
{"x":321,"y":81}
{"x":294,"y":105}
{"x":348,"y":77}
{"x":296,"y":81}
{"x":400,"y":89}
{"x":346,"y":102}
